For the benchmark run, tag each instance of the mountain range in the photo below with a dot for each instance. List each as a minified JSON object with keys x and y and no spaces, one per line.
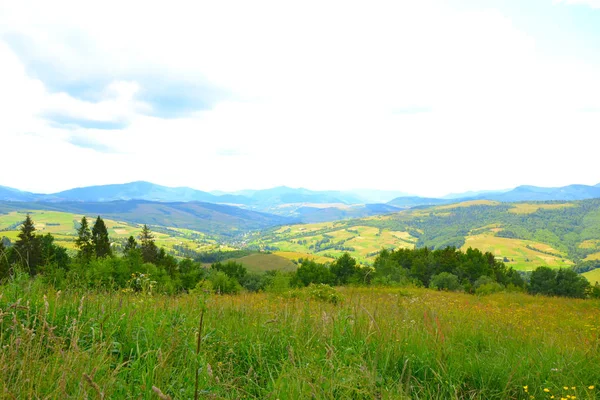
{"x":300,"y":205}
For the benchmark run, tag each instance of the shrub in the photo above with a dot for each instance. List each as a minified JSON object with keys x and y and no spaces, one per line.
{"x":445,"y":281}
{"x":323,"y":292}
{"x":223,"y":284}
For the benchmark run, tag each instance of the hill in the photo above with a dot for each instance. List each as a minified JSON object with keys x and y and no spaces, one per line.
{"x":262,"y":262}
{"x":63,"y":227}
{"x":208,"y":218}
{"x":525,"y":235}
{"x":10,"y":194}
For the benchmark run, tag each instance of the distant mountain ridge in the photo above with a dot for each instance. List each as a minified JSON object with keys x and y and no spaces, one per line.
{"x":209,"y":218}
{"x":269,"y":200}
{"x":520,"y":193}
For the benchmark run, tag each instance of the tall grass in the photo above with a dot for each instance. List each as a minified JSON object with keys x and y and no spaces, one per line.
{"x":375,"y":343}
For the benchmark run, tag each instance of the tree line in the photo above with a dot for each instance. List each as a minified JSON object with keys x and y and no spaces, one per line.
{"x":142,"y":265}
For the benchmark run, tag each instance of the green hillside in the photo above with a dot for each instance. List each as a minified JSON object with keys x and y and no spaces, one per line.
{"x":63,"y":227}
{"x":261,"y":262}
{"x":524,"y":235}
{"x":211,"y":219}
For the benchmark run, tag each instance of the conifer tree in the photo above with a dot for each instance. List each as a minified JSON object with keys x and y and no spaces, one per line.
{"x":27,"y":247}
{"x":148,"y":247}
{"x":84,"y":241}
{"x":100,"y":239}
{"x":130,"y":245}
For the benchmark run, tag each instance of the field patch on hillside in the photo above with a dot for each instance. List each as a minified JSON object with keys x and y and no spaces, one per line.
{"x":262,"y":262}
{"x":292,"y":255}
{"x":525,"y":255}
{"x":63,"y":226}
{"x":530,"y":208}
{"x":593,"y":276}
{"x":593,"y":257}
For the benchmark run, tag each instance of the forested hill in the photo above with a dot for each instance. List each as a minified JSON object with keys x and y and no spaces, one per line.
{"x":551,"y":232}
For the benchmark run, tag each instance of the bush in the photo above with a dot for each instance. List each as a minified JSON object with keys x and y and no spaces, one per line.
{"x":223,"y":284}
{"x":445,"y":281}
{"x":322,"y":292}
{"x":489,"y":288}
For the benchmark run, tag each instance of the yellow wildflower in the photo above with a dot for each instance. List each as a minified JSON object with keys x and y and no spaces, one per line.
{"x":572,"y":387}
{"x":591,"y":387}
{"x":566,"y":387}
{"x":546,"y":390}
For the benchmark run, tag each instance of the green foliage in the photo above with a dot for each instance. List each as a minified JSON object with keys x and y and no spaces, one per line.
{"x":445,"y":281}
{"x":310,"y":272}
{"x":149,"y":250}
{"x":486,"y":285}
{"x":232,"y":269}
{"x":421,"y":265}
{"x":130,"y":245}
{"x":27,"y":249}
{"x":222,"y":283}
{"x":84,"y":241}
{"x":345,"y":269}
{"x":323,"y":292}
{"x":100,"y":240}
{"x":564,"y":282}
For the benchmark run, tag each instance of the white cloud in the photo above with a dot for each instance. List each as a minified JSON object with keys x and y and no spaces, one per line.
{"x":320,"y":95}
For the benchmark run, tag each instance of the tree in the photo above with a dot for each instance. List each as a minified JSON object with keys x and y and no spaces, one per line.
{"x":344,"y":268}
{"x":543,"y":281}
{"x":232,"y":269}
{"x":148,"y":247}
{"x":130,"y":245}
{"x":312,"y":272}
{"x":570,"y":284}
{"x":27,"y":247}
{"x":84,"y":241}
{"x":445,"y":281}
{"x":100,"y":239}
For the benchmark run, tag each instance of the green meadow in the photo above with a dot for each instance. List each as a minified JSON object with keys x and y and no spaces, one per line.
{"x":358,"y":343}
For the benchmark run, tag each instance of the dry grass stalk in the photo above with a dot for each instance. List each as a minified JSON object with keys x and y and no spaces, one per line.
{"x":160,"y":394}
{"x":94,"y":385}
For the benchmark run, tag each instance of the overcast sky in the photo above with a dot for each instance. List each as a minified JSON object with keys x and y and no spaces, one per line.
{"x":425,"y":97}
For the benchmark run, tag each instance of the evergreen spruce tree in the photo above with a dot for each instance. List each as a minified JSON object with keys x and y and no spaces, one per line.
{"x":84,"y":241}
{"x":27,"y":247}
{"x":130,"y":245}
{"x":148,"y":247}
{"x":100,"y":240}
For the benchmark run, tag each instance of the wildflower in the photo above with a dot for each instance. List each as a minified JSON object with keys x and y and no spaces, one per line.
{"x":572,"y":387}
{"x":591,"y":387}
{"x":546,"y":390}
{"x":525,"y":388}
{"x":566,"y":387}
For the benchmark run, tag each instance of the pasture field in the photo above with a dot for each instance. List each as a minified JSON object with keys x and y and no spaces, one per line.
{"x":360,"y":241}
{"x":372,"y":343}
{"x":262,"y":262}
{"x":290,"y":255}
{"x":593,"y":276}
{"x":63,"y":226}
{"x":521,"y":256}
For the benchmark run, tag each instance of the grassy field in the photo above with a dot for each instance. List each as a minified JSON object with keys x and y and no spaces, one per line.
{"x":593,"y":276}
{"x":524,"y":255}
{"x":290,"y":255}
{"x":374,"y":343}
{"x":364,"y":240}
{"x":63,"y":227}
{"x":266,"y":262}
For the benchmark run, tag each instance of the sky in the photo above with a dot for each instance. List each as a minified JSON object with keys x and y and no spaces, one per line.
{"x":425,"y":97}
